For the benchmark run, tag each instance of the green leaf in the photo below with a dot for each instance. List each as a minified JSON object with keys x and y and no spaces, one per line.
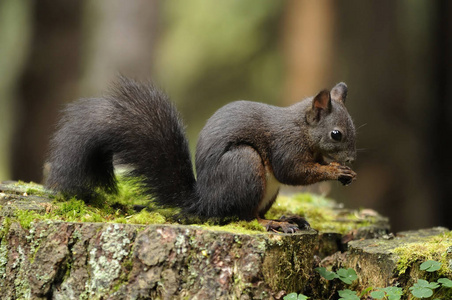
{"x":420,"y":292}
{"x":433,"y":285}
{"x":325,"y":273}
{"x":426,"y":284}
{"x":393,"y":292}
{"x":422,"y":289}
{"x":347,"y":275}
{"x":295,"y":296}
{"x":430,"y":266}
{"x":367,"y":290}
{"x":291,"y":296}
{"x":390,"y":292}
{"x":348,"y":295}
{"x":422,"y":283}
{"x":378,"y":294}
{"x":394,"y":297}
{"x":445,"y":282}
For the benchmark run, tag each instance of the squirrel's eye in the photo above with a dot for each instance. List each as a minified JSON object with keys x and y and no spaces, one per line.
{"x":336,"y":135}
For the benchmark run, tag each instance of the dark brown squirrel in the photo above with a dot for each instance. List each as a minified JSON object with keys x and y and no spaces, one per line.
{"x":245,"y":152}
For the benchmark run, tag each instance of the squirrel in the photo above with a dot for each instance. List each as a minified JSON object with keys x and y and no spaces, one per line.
{"x":245,"y":153}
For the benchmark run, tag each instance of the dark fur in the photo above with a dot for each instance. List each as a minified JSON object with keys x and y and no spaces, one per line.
{"x":240,"y":146}
{"x":139,"y":126}
{"x":244,"y":140}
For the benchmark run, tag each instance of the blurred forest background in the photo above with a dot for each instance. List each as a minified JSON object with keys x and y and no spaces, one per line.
{"x":395,"y":57}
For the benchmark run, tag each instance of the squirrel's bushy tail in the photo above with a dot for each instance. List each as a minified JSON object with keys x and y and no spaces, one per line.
{"x":135,"y":125}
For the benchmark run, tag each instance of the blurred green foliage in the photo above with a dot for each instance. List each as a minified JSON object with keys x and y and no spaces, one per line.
{"x":218,"y":52}
{"x":14,"y":39}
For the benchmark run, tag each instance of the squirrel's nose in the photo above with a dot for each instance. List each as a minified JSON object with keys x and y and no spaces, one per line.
{"x":351,"y":156}
{"x":350,"y":159}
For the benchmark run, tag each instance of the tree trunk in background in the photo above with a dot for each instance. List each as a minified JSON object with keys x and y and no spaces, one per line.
{"x":399,"y":81}
{"x":98,"y":39}
{"x":120,"y":40}
{"x":308,"y":47}
{"x":15,"y":32}
{"x":48,"y":78}
{"x":386,"y":55}
{"x":439,"y":162}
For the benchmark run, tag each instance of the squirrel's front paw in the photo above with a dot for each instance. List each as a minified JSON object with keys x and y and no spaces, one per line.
{"x":344,"y":174}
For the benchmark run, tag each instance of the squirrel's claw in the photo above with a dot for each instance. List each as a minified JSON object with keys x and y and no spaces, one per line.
{"x":344,"y":173}
{"x":301,"y":222}
{"x":289,"y":224}
{"x":345,"y":180}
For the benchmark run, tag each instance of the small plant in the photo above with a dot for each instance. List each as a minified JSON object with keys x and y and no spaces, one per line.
{"x":348,"y":295}
{"x":390,"y":293}
{"x":345,"y":275}
{"x":430,"y":266}
{"x":295,"y":296}
{"x":423,"y":289}
{"x":445,"y":282}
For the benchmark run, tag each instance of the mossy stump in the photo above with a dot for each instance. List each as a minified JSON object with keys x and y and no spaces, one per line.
{"x":63,"y":260}
{"x":49,"y":251}
{"x":396,"y":260}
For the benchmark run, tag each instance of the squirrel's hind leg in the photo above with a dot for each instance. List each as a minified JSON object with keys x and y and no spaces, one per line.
{"x":233,"y":185}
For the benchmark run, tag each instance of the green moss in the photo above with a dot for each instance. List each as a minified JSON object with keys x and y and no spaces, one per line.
{"x":32,"y":188}
{"x":323,"y":214}
{"x":26,"y":217}
{"x":130,"y":191}
{"x":240,"y":227}
{"x":4,"y":227}
{"x":432,"y":248}
{"x":38,"y":192}
{"x":118,"y":208}
{"x":146,"y":217}
{"x":115,"y":208}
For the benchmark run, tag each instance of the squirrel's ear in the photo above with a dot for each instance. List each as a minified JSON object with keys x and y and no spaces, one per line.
{"x":322,"y":101}
{"x":320,"y":104}
{"x":339,"y":92}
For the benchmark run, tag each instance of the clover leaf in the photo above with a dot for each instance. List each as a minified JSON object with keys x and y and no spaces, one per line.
{"x":430,"y":266}
{"x":378,"y":294}
{"x":423,"y":288}
{"x":295,"y":296}
{"x":348,"y":295}
{"x":347,"y":275}
{"x":328,"y":275}
{"x":390,"y":292}
{"x":445,"y":282}
{"x":393,"y":292}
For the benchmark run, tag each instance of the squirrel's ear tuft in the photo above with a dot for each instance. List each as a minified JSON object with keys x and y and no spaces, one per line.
{"x":339,"y":92}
